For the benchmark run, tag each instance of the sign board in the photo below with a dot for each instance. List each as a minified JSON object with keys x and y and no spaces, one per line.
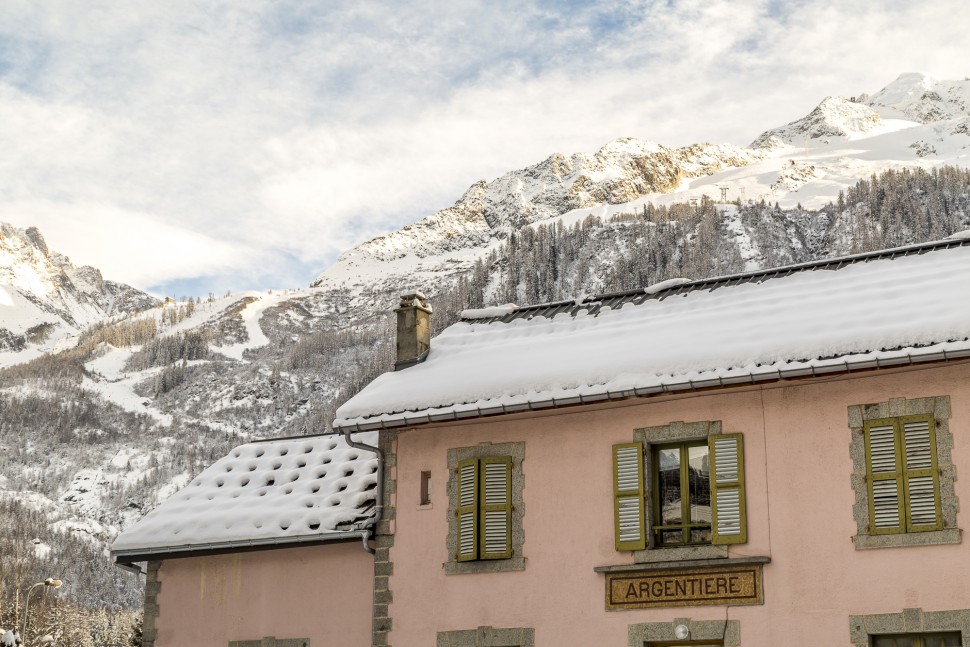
{"x":691,"y":587}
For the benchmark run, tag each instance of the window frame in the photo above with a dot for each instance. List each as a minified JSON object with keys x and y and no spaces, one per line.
{"x":919,"y":638}
{"x":513,"y":560}
{"x":863,"y":627}
{"x":903,"y":474}
{"x":650,"y":634}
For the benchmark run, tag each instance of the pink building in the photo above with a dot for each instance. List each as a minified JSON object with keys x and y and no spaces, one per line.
{"x":265,"y":548}
{"x":764,"y":459}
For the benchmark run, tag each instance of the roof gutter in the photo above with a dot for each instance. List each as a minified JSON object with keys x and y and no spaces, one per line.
{"x":127,"y":558}
{"x":367,"y":526}
{"x":679,"y":386}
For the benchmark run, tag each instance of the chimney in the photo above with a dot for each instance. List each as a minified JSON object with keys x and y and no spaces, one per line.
{"x":413,"y":330}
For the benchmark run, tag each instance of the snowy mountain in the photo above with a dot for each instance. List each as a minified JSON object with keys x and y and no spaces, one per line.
{"x":623,"y":170}
{"x":914,"y":122}
{"x":45,"y":300}
{"x":143,"y":395}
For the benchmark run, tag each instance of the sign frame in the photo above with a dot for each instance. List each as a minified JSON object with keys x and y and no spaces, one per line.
{"x":730,"y":584}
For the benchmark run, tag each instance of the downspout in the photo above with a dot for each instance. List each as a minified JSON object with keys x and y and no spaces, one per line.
{"x":413,"y":344}
{"x":365,"y":530}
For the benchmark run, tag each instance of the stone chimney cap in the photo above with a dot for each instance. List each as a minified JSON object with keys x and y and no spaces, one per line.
{"x":415,"y":299}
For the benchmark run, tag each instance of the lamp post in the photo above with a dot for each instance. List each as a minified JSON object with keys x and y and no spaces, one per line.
{"x":51,"y":582}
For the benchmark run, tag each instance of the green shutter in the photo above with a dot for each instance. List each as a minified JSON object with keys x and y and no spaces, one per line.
{"x":921,"y":476}
{"x":467,"y":510}
{"x":628,"y":503}
{"x":884,"y":477}
{"x":495,"y":504}
{"x":728,"y":515}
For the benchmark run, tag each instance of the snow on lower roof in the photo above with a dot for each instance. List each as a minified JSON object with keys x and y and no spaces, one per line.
{"x":288,"y":489}
{"x":868,"y":310}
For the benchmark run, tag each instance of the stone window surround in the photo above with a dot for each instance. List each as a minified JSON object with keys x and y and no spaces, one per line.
{"x":858,"y":414}
{"x":486,"y":450}
{"x":673,"y":432}
{"x":715,"y":630}
{"x":910,"y":621}
{"x":488,"y":637}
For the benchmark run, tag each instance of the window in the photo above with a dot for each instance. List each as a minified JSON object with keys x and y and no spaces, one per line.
{"x":681,"y":494}
{"x":485,"y":508}
{"x":717,"y":633}
{"x":911,"y":628}
{"x":902,"y":476}
{"x":696,"y":493}
{"x":950,"y":639}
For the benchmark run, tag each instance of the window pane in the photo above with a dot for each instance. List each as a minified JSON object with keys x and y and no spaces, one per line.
{"x":699,"y":477}
{"x":943,"y":640}
{"x":700,"y":536}
{"x":892,"y":641}
{"x":668,"y":537}
{"x":669,"y":486}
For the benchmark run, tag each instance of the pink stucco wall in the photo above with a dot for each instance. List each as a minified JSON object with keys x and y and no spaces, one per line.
{"x":800,"y":513}
{"x":319,"y":592}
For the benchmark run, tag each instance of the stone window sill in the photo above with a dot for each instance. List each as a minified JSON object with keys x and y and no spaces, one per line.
{"x":680,"y":554}
{"x":485,"y":566}
{"x":931,"y":538}
{"x":693,"y":563}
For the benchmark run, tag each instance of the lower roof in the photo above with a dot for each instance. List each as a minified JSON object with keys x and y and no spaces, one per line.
{"x":306,"y":489}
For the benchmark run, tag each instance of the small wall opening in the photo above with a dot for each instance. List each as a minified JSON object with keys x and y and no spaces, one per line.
{"x":425,"y":495}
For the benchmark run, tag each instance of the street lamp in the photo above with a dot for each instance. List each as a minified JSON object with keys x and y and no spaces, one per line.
{"x":51,"y":582}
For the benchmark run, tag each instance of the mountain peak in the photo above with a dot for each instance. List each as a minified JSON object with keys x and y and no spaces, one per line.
{"x":47,"y":292}
{"x":833,"y":117}
{"x":924,"y":99}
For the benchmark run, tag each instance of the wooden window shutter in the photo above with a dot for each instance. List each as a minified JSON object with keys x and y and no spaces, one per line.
{"x":884,"y":477}
{"x":467,"y":510}
{"x":628,"y":501}
{"x":728,"y":515}
{"x":921,"y":477}
{"x":495,"y":500}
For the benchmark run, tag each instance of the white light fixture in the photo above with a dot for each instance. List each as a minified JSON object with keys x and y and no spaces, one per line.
{"x":681,"y":632}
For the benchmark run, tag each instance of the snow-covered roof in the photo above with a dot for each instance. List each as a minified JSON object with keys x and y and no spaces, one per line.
{"x":879,"y":309}
{"x":266,"y":492}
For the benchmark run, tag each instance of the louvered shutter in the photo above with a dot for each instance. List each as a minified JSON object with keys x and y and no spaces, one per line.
{"x":728,"y":515}
{"x":496,"y":508}
{"x":628,"y":503}
{"x":884,"y":476}
{"x":921,"y":477}
{"x":467,"y":510}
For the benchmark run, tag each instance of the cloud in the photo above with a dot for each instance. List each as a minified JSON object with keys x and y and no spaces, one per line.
{"x":282,"y":133}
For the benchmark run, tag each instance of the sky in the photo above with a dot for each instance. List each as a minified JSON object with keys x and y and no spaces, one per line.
{"x":206,"y":146}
